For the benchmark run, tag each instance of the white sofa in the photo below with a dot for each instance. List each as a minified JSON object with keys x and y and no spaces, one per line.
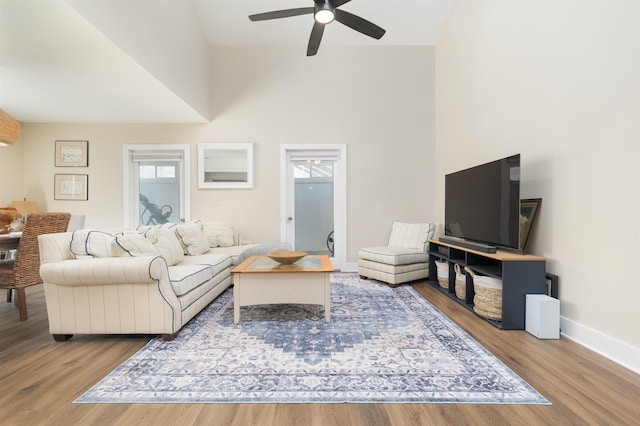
{"x":145,"y":281}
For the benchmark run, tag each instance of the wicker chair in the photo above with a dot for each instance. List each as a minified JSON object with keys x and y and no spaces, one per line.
{"x":25,"y":271}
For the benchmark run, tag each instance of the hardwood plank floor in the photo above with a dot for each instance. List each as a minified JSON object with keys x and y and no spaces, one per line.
{"x":40,"y":379}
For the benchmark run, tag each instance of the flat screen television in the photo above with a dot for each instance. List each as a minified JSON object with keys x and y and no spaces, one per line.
{"x":482,"y":204}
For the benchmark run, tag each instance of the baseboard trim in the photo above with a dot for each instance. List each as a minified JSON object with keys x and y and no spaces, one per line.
{"x":350,"y":267}
{"x":617,"y":351}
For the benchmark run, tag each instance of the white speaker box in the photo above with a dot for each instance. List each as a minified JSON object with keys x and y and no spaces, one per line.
{"x":542,"y":317}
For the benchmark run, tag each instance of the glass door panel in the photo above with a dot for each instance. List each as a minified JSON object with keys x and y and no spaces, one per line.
{"x":155,"y":188}
{"x":313,"y":200}
{"x":313,"y":211}
{"x":159,"y":193}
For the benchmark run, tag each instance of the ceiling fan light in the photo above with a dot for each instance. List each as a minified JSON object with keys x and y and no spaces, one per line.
{"x":324,"y":14}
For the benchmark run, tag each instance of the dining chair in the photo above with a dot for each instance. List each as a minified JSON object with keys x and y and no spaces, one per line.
{"x":25,"y":270}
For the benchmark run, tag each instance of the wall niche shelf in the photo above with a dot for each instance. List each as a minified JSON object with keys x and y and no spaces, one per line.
{"x":521,"y":274}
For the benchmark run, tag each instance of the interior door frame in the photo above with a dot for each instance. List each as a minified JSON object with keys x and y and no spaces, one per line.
{"x":339,"y":198}
{"x":131,"y":207}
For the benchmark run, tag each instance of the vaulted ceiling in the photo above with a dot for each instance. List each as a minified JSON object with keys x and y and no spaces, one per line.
{"x":149,"y":60}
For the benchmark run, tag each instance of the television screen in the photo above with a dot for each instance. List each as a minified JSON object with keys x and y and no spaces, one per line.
{"x":482,"y":203}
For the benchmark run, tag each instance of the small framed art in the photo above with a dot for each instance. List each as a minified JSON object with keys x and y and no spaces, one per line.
{"x":551,"y":283}
{"x":71,"y":187}
{"x":72,"y":153}
{"x":528,"y":213}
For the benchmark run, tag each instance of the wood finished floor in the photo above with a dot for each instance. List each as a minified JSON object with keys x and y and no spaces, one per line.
{"x":40,"y":378}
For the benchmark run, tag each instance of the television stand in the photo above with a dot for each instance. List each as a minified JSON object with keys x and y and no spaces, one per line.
{"x":484,"y":248}
{"x":521,"y":274}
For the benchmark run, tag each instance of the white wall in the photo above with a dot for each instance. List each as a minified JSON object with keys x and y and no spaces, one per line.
{"x":11,"y":173}
{"x":183,"y":63}
{"x":378,"y":101}
{"x":559,"y":83}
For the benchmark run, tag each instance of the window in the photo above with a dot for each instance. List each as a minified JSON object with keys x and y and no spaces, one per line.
{"x":154,"y":171}
{"x":310,"y":169}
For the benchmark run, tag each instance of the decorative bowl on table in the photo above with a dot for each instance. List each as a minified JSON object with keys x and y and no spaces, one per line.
{"x":287,"y":257}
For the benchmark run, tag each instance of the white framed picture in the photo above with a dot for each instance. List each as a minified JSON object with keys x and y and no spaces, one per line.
{"x":225,"y":165}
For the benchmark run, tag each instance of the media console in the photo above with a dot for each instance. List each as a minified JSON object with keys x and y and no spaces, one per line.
{"x":485,"y":248}
{"x":521,"y":274}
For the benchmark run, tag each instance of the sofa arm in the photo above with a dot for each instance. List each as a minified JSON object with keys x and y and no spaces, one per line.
{"x":117,"y":295}
{"x":101,"y":271}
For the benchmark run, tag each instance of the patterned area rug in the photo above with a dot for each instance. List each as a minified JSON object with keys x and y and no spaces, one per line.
{"x":382,"y":345}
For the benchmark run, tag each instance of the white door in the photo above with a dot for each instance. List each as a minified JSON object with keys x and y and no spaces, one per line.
{"x":156,"y":189}
{"x":313,"y":194}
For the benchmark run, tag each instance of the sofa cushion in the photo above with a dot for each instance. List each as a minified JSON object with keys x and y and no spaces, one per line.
{"x":393,"y":255}
{"x":391,"y":269}
{"x":185,"y":278}
{"x":217,"y":262}
{"x":411,"y":235}
{"x":218,"y":234}
{"x":192,"y":238}
{"x":137,"y":245}
{"x":91,"y":243}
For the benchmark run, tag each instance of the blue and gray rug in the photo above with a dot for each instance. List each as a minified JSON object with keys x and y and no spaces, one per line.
{"x":382,"y":345}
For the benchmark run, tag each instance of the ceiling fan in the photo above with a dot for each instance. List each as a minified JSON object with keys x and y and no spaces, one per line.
{"x":324,"y":12}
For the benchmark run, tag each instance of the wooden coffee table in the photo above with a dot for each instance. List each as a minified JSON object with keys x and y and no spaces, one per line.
{"x":262,"y":281}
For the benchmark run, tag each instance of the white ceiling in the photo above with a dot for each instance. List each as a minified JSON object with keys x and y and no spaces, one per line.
{"x":56,"y":66}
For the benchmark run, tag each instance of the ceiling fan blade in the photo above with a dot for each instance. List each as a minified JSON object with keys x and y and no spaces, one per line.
{"x":359,"y":24}
{"x":314,"y":40}
{"x":286,"y":13}
{"x":338,"y":3}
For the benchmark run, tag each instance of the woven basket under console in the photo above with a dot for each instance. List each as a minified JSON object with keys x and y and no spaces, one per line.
{"x":487,"y":301}
{"x":461,"y":283}
{"x":443,"y":273}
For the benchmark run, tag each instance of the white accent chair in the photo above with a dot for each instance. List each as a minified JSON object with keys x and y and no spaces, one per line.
{"x":405,"y":258}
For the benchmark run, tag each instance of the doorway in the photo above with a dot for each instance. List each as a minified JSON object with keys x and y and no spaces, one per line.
{"x":156,"y":189}
{"x":313,"y":199}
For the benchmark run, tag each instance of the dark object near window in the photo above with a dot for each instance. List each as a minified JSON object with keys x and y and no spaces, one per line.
{"x":156,"y":215}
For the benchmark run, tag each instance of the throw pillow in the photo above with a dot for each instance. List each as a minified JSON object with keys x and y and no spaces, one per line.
{"x":411,"y":235}
{"x":136,"y":245}
{"x":87,"y":243}
{"x":218,"y":234}
{"x":192,"y":238}
{"x":167,"y":244}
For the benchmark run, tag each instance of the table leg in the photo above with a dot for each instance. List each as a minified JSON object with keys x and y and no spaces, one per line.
{"x":236,"y":299}
{"x":327,"y":298}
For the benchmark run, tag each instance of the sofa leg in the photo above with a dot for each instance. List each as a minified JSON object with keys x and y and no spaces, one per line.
{"x":62,"y":337}
{"x":169,"y":337}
